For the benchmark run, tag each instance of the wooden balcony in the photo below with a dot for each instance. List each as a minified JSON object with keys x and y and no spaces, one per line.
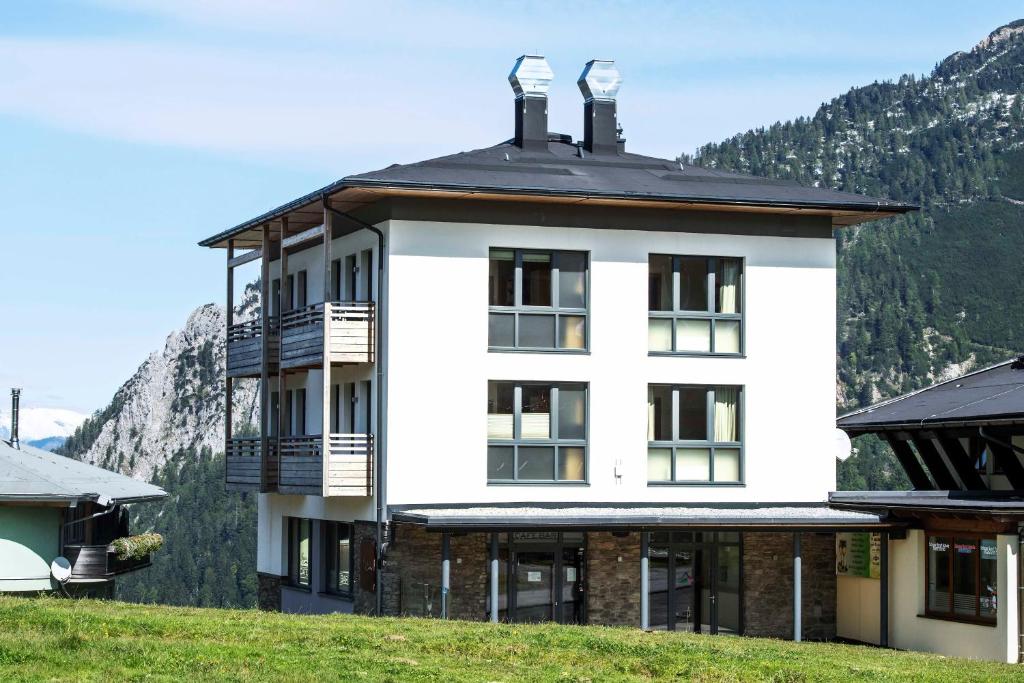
{"x":245,"y":348}
{"x":348,"y":324}
{"x":349,"y":465}
{"x":92,"y":563}
{"x":242,"y":464}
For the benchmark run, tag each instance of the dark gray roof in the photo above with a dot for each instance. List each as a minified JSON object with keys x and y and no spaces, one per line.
{"x":563,"y":171}
{"x":31,"y":474}
{"x":994,"y":394}
{"x":953,"y":501}
{"x":626,"y":515}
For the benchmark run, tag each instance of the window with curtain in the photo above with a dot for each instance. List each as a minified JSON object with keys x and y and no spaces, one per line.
{"x":299,"y":550}
{"x":536,"y":432}
{"x":338,"y":557}
{"x":537,"y":300}
{"x":693,"y":434}
{"x":694,"y":305}
{"x":961,"y":574}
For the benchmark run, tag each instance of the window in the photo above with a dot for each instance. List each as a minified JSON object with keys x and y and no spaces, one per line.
{"x":694,"y":305}
{"x":298,"y":552}
{"x":536,"y":432}
{"x":295,"y":417}
{"x":693,"y":434}
{"x":538,"y":300}
{"x":338,"y":558}
{"x":297,"y":289}
{"x":961,"y":577}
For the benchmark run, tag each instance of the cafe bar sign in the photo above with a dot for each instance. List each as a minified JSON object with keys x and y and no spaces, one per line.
{"x":859,"y":554}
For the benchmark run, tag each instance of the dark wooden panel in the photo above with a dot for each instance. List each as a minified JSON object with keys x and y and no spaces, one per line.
{"x":905,"y":454}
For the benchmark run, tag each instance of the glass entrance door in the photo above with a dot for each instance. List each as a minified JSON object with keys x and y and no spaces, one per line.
{"x":695,"y":582}
{"x":534,"y":586}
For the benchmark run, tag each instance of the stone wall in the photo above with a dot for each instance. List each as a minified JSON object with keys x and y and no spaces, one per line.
{"x":613,"y":586}
{"x":768,"y":585}
{"x":268,"y":587}
{"x":412,"y":574}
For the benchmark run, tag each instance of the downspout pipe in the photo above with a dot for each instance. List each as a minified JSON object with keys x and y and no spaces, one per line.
{"x":381,"y":443}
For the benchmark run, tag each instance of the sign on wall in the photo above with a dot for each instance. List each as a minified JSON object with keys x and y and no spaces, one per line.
{"x":859,"y":554}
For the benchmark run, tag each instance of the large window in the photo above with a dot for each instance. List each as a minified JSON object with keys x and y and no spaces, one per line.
{"x":299,"y":550}
{"x":538,"y":300}
{"x":693,"y":434}
{"x":694,"y":305}
{"x":536,"y":432}
{"x":338,"y":569}
{"x":961,"y":577}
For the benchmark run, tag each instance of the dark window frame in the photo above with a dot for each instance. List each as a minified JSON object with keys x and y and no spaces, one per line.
{"x":329,"y":530}
{"x":552,"y":442}
{"x":294,"y":532}
{"x":674,"y":443}
{"x":555,"y":310}
{"x":951,"y":614}
{"x":677,"y":313}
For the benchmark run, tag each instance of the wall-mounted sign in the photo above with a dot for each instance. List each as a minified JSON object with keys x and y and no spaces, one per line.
{"x":533,"y":577}
{"x":859,"y":554}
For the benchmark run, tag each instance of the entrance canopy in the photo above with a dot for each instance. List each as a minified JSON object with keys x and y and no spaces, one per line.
{"x":781,"y":516}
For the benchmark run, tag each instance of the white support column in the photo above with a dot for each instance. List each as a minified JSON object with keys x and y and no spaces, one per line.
{"x":1008,"y":593}
{"x":645,"y":578}
{"x":446,"y":565}
{"x":494,"y":578}
{"x":797,"y":625}
{"x":325,"y":417}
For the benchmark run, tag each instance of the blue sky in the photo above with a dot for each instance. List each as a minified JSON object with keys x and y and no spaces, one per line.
{"x":129,"y":129}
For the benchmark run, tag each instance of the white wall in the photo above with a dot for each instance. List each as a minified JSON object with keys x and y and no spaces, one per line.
{"x":858,"y":607}
{"x":438,"y":364}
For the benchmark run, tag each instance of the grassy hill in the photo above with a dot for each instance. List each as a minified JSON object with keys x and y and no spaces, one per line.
{"x":48,"y":639}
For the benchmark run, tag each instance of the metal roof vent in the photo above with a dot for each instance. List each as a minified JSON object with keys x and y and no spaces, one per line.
{"x":599,"y":83}
{"x":531,"y":78}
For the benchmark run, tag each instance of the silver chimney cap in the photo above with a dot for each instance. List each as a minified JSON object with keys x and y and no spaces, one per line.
{"x":531,"y":76}
{"x":600,"y":80}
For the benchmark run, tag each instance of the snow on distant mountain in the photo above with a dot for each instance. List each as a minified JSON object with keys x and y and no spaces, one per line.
{"x":38,"y":424}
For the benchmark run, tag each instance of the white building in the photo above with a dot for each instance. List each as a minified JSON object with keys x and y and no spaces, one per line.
{"x":654,"y":343}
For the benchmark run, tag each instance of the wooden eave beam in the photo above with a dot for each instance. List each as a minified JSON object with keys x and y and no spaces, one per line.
{"x":905,"y":455}
{"x":944,"y":479}
{"x":303,"y":237}
{"x":247,"y":257}
{"x":961,"y":461}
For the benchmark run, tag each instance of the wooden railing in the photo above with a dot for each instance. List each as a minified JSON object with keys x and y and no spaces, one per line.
{"x":245,"y":347}
{"x":99,"y":562}
{"x":243,"y":466}
{"x":349,"y":324}
{"x":349,"y":465}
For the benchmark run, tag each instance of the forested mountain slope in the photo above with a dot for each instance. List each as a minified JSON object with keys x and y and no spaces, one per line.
{"x":934,"y":293}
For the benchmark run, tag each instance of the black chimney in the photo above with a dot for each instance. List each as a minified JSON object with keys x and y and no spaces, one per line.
{"x":530,"y":79}
{"x":15,"y":399}
{"x":599,"y":84}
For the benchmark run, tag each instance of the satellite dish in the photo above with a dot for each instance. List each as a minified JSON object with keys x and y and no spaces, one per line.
{"x":60,"y":569}
{"x":843,"y":447}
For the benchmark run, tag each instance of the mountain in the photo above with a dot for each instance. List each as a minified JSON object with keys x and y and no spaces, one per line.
{"x":42,"y":427}
{"x":173,"y":402}
{"x":936,"y":293}
{"x":166,"y":425}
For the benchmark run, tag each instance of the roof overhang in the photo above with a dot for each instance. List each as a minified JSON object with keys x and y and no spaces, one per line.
{"x":75,"y":499}
{"x":989,"y":504}
{"x":639,"y":516}
{"x":348,"y":195}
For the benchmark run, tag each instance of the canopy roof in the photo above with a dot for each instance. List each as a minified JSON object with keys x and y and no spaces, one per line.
{"x":964,"y":502}
{"x":565,"y":173}
{"x":32,"y":474}
{"x":635,"y":515}
{"x":988,"y":396}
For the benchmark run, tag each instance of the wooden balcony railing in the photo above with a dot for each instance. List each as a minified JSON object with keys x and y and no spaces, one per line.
{"x":349,"y":324}
{"x":349,"y":465}
{"x":242,"y":466}
{"x":245,"y":347}
{"x":99,"y":563}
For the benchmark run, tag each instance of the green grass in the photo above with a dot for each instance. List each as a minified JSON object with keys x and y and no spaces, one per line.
{"x":50,"y":639}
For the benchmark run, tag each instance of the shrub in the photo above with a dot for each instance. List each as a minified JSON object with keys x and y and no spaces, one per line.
{"x":137,"y":547}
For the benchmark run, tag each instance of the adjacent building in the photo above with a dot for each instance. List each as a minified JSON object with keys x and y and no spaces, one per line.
{"x":954,"y":576}
{"x":54,"y":508}
{"x":549,"y":379}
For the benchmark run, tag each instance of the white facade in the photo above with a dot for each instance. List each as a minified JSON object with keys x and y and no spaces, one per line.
{"x":435,"y":355}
